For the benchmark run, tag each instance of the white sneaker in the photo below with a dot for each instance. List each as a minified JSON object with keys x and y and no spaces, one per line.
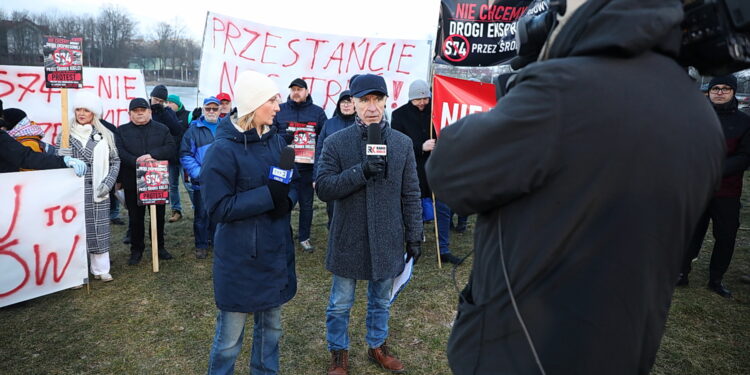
{"x":105,"y":277}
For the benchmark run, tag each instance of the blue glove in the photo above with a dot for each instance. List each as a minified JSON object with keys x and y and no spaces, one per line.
{"x":79,"y":167}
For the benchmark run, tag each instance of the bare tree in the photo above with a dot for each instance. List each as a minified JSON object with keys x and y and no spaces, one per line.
{"x":115,"y":27}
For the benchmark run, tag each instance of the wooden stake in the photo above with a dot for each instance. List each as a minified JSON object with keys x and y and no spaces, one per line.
{"x":434,"y":206}
{"x":65,"y":124}
{"x":154,"y":239}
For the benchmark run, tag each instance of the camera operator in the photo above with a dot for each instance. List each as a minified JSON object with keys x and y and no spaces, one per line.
{"x":593,"y":172}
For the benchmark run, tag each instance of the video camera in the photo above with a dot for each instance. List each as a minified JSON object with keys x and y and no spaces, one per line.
{"x":715,"y":35}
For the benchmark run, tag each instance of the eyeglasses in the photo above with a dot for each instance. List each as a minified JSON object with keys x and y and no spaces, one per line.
{"x":211,"y":109}
{"x":723,"y":90}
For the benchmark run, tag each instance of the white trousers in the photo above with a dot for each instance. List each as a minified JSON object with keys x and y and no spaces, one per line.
{"x":99,"y":263}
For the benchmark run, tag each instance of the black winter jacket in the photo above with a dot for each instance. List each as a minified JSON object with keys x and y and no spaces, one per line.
{"x":736,"y":128}
{"x":589,"y":177}
{"x":136,"y":140}
{"x":14,"y":156}
{"x":409,"y":120}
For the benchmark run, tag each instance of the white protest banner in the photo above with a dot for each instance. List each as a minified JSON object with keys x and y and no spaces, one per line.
{"x":325,"y":61}
{"x":23,"y":87}
{"x":42,"y":234}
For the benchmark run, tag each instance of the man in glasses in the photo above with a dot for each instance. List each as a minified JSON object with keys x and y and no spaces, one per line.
{"x":724,"y":208}
{"x":195,"y":143}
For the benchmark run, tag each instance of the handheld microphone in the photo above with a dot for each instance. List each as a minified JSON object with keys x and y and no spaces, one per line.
{"x":375,"y":147}
{"x":283,"y":173}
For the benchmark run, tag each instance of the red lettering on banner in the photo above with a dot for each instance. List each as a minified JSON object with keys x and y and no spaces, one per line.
{"x":403,"y":48}
{"x":265,"y":46}
{"x":4,"y":245}
{"x":390,"y":57}
{"x":229,"y":36}
{"x":296,"y":54}
{"x":333,"y":57}
{"x":353,"y":51}
{"x":68,"y":213}
{"x":330,"y":95}
{"x":44,"y":90}
{"x":52,"y":257}
{"x":11,"y":87}
{"x":213,"y":36}
{"x":128,"y":88}
{"x":465,"y":11}
{"x":315,"y":49}
{"x":249,"y":43}
{"x":397,"y":86}
{"x":106,"y":86}
{"x":374,"y":51}
{"x":27,"y":88}
{"x":230,"y":81}
{"x":50,"y":215}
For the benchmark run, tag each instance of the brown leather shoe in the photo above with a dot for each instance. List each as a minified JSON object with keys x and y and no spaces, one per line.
{"x":382,"y":357}
{"x":339,"y":363}
{"x":176,"y":216}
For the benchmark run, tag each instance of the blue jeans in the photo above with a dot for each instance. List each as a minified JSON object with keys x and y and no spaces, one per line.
{"x":114,"y":206}
{"x":174,"y":186}
{"x":203,"y":228}
{"x":305,"y":193}
{"x":444,"y":216}
{"x":340,"y":304}
{"x":230,"y":328}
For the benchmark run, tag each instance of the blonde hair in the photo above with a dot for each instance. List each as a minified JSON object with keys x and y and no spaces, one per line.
{"x":245,"y":122}
{"x":106,"y":134}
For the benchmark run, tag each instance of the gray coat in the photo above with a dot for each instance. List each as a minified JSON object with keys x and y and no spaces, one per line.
{"x":372,"y":219}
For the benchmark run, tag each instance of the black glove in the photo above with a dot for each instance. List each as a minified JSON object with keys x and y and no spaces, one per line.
{"x":197,"y":113}
{"x":279,"y":195}
{"x":157,"y":108}
{"x":373,"y":166}
{"x":413,"y":250}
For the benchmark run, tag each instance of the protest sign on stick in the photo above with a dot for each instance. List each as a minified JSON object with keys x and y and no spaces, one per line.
{"x":153,"y":188}
{"x":63,"y":69}
{"x":454,"y":98}
{"x":33,"y":265}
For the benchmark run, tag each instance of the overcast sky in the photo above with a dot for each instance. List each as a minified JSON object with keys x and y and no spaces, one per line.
{"x":416,"y":19}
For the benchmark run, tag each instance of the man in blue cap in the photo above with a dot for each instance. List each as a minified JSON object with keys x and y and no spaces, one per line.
{"x":376,"y":214}
{"x":195,"y":144}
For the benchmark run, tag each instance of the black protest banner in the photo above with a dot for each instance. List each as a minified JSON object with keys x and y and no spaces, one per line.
{"x":480,"y":32}
{"x":63,"y":62}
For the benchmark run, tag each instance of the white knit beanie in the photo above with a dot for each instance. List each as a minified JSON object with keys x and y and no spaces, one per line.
{"x":251,"y":90}
{"x":88,"y":100}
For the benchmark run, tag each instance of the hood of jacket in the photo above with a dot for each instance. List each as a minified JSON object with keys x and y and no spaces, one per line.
{"x":621,"y":28}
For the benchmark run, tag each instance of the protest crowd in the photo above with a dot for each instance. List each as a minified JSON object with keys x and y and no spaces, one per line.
{"x":564,"y":201}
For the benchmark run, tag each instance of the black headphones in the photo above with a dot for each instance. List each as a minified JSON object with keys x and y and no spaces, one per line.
{"x":534,"y":31}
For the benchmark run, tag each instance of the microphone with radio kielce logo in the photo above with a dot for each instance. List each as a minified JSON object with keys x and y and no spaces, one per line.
{"x":278,"y":183}
{"x":376,"y":163}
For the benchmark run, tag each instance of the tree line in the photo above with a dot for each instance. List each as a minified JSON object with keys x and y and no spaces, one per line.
{"x":112,"y":38}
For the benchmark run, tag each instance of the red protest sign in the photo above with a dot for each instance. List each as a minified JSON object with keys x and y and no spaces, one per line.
{"x":304,"y":141}
{"x":454,"y":98}
{"x":63,"y":62}
{"x":153,"y":182}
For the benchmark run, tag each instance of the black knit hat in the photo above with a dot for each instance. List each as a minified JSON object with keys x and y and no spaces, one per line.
{"x":160,"y":91}
{"x":729,"y":80}
{"x":13,"y":116}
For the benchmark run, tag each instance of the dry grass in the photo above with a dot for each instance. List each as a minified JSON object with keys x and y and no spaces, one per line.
{"x":146,"y":323}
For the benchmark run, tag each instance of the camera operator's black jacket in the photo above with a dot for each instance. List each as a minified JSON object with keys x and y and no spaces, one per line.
{"x":597,"y":165}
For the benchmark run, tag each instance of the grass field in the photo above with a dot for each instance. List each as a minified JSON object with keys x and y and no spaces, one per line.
{"x":163,"y":323}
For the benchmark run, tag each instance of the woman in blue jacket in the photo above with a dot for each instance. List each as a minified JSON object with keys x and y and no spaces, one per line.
{"x":253,"y":269}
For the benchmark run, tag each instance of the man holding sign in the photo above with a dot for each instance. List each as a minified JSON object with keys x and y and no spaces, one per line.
{"x":299,"y":122}
{"x":142,"y":139}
